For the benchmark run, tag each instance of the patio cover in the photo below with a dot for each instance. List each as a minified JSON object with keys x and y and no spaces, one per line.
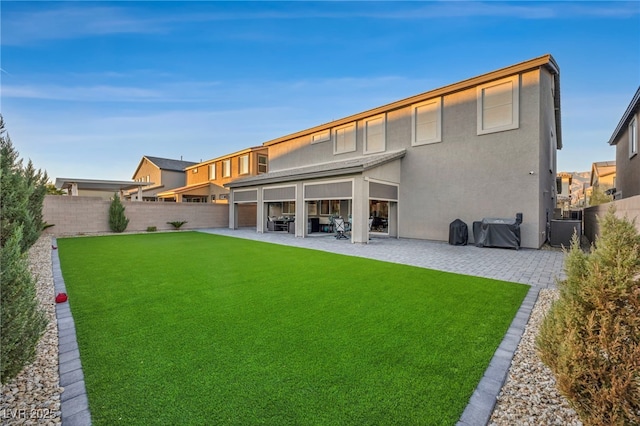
{"x":98,"y":185}
{"x":332,"y":169}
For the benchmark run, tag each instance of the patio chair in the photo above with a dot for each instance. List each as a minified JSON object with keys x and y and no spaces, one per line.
{"x":339,"y":223}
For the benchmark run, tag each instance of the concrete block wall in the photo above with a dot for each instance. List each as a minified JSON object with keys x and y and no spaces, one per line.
{"x":88,"y":215}
{"x":629,"y":207}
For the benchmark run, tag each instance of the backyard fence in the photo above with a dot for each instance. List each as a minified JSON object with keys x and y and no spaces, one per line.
{"x":629,"y":207}
{"x":89,"y":215}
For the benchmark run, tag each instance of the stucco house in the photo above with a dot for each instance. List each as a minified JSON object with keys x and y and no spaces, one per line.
{"x":160,"y":174}
{"x":625,"y":138}
{"x":204,"y":181}
{"x":480,"y":148}
{"x":603,"y":175}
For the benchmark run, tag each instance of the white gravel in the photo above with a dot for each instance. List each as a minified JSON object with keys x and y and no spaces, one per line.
{"x":528,"y":397}
{"x":33,"y":397}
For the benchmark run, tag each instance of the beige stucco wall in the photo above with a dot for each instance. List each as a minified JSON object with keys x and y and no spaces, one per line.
{"x":470,"y":176}
{"x":627,"y":169}
{"x":75,"y":215}
{"x":466,"y":176}
{"x":629,"y":207}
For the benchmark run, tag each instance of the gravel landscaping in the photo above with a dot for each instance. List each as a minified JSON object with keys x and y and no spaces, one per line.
{"x":528,"y":397}
{"x":33,"y":397}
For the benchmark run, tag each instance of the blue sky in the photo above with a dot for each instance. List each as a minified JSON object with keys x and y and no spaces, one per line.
{"x":88,"y":88}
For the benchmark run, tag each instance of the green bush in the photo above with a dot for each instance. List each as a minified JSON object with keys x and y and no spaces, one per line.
{"x":591,"y":336}
{"x":117,"y":220}
{"x":177,"y":223}
{"x":21,"y":197}
{"x":18,"y":192}
{"x":22,"y":321}
{"x":151,"y":229}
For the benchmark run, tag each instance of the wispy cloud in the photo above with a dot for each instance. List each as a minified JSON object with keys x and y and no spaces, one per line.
{"x":84,"y":94}
{"x":26,"y":26}
{"x":73,"y":20}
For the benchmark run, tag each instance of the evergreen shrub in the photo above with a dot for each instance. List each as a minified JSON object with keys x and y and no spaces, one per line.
{"x":21,"y":197}
{"x":591,"y":336}
{"x":117,"y":220}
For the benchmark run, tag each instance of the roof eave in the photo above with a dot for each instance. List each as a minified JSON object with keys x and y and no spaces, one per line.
{"x":634,"y":105}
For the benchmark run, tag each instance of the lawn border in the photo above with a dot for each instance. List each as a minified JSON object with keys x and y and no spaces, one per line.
{"x":74,"y":403}
{"x":485,"y":396}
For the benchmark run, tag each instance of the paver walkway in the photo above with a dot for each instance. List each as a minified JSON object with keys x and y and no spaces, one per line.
{"x":539,"y":268}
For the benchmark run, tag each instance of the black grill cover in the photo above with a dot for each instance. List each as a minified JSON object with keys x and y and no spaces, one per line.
{"x":499,"y":233}
{"x":458,"y":233}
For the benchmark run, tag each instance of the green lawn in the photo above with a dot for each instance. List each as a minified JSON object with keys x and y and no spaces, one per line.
{"x":191,"y":328}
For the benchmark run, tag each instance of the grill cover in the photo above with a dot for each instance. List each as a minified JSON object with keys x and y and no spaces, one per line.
{"x":498,"y":233}
{"x":458,"y":233}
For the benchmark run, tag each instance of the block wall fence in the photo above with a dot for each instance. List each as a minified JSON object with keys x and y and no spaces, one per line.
{"x":89,"y":215}
{"x":629,"y":207}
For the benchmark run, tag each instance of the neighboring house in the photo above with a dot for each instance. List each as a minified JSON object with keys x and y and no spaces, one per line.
{"x":625,"y":138}
{"x":603,"y":175}
{"x":104,"y":189}
{"x":162,"y":173}
{"x":480,"y":148}
{"x":204,"y":181}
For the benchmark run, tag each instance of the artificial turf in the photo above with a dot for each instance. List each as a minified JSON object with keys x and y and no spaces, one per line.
{"x":191,"y":328}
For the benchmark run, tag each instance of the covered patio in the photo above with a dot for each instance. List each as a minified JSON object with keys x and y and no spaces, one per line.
{"x":361,"y":192}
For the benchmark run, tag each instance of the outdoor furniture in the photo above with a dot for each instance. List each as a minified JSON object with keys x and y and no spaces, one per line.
{"x":340,"y":228}
{"x":271,"y":225}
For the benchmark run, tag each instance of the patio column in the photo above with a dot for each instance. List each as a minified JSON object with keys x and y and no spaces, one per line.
{"x":360,"y":215}
{"x":139,"y":193}
{"x":74,"y":189}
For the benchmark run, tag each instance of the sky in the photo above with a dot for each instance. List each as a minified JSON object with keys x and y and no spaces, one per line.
{"x":88,"y":88}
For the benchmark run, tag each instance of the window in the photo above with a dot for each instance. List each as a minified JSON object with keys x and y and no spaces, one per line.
{"x":243,"y":163}
{"x":344,"y":139}
{"x":212,"y":171}
{"x":263,"y":162}
{"x":633,"y":137}
{"x":375,"y":134}
{"x":226,"y":168}
{"x":498,"y":105}
{"x":323,"y":136}
{"x":194,"y":171}
{"x":426,"y":122}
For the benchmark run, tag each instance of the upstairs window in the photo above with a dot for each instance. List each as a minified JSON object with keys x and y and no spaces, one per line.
{"x":375,"y":134}
{"x":243,"y":164}
{"x":212,"y":171}
{"x":344,"y":139}
{"x":633,"y":137}
{"x":323,"y":136}
{"x":194,"y":171}
{"x":426,"y":122}
{"x":226,"y":168}
{"x":498,"y":105}
{"x":263,"y":164}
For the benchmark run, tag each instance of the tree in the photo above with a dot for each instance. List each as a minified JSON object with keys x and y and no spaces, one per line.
{"x":591,"y":336}
{"x":52,"y":190}
{"x":117,"y":220}
{"x":598,"y":196}
{"x":21,"y":321}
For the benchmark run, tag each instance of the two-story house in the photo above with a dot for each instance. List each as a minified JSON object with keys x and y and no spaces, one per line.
{"x":481,"y":148}
{"x":625,"y":138}
{"x":205,"y":180}
{"x":160,"y":174}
